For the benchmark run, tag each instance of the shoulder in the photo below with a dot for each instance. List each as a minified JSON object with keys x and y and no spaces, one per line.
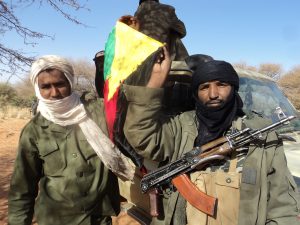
{"x":258,"y":122}
{"x":92,"y":102}
{"x":31,"y":129}
{"x":188,"y":116}
{"x":187,"y":121}
{"x":254,"y":121}
{"x":87,"y":97}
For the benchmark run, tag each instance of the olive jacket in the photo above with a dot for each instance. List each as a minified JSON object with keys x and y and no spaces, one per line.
{"x":268,"y":193}
{"x":59,"y":178}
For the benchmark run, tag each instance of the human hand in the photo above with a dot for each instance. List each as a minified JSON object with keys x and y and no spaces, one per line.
{"x":130,"y":21}
{"x":160,"y":69}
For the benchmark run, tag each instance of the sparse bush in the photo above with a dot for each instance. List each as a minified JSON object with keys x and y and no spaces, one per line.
{"x":290,"y":83}
{"x":9,"y":96}
{"x":271,"y":69}
{"x":7,"y":93}
{"x":23,"y":102}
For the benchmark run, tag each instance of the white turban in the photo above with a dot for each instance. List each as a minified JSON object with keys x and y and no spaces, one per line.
{"x":70,"y":110}
{"x":52,"y":62}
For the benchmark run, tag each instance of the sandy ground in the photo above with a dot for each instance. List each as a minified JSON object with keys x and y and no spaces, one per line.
{"x":9,"y":136}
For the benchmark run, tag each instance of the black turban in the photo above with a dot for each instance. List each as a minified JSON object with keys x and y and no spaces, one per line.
{"x":215,"y":70}
{"x":213,"y":122}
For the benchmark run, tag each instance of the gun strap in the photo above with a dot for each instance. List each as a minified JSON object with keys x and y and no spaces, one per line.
{"x":200,"y":200}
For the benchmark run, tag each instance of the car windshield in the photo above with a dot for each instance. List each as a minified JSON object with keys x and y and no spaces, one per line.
{"x":263,"y":96}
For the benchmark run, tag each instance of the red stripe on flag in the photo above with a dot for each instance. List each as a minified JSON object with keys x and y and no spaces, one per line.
{"x":110,"y":108}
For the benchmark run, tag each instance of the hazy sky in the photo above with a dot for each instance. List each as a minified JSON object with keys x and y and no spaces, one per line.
{"x":253,"y":31}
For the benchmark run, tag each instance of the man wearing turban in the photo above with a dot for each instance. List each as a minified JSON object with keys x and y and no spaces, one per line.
{"x":66,"y":167}
{"x":253,"y":185}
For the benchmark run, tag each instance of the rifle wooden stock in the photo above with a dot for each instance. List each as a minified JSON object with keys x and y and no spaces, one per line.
{"x":194,"y":196}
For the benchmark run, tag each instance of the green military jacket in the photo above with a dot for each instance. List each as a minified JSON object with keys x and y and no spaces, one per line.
{"x":59,"y":178}
{"x":268,"y":193}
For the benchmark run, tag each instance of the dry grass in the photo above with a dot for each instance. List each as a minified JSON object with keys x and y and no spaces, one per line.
{"x":290,"y":84}
{"x":7,"y":112}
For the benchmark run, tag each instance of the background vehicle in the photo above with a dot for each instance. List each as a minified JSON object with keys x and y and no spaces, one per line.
{"x":261,"y":94}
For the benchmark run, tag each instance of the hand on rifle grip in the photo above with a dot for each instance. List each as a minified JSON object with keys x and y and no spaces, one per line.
{"x":153,"y":196}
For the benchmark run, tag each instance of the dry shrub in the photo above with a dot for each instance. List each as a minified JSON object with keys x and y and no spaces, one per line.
{"x":290,"y":84}
{"x":24,"y":88}
{"x":9,"y":111}
{"x":271,"y":69}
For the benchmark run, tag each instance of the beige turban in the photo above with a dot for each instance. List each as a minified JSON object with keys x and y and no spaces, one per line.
{"x":52,"y":62}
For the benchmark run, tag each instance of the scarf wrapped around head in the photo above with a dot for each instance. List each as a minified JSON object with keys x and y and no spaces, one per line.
{"x":52,"y":62}
{"x":213,"y":122}
{"x":70,"y":111}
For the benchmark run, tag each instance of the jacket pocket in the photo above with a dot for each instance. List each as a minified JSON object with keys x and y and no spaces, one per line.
{"x":225,"y":186}
{"x":51,"y":156}
{"x":228,"y":194}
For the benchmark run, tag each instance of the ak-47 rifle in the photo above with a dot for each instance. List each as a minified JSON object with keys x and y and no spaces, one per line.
{"x":175,"y":172}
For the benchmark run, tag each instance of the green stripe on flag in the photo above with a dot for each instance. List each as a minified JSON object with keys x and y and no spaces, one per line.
{"x":109,"y":53}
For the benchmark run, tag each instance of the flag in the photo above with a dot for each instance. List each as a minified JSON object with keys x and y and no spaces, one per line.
{"x":128,"y":56}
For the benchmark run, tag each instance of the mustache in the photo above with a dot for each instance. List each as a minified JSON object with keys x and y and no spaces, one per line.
{"x":211,"y":102}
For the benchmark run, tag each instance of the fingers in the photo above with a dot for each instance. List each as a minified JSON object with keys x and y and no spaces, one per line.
{"x":166,"y":52}
{"x":130,"y":21}
{"x":160,"y":69}
{"x":163,"y":55}
{"x":165,"y":60}
{"x":125,"y":19}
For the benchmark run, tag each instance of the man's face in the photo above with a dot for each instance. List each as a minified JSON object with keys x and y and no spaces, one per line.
{"x":214,"y":93}
{"x":53,"y":85}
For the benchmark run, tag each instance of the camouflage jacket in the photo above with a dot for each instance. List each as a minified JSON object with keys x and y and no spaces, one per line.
{"x":268,"y":193}
{"x":58,"y":177}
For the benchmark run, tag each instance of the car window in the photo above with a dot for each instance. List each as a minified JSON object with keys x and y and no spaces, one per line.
{"x":263,"y":96}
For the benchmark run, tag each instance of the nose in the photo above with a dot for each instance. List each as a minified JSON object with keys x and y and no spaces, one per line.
{"x":213,"y":91}
{"x":54,"y":93}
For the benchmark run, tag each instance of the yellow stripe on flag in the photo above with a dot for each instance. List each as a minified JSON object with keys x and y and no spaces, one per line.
{"x":131,"y":49}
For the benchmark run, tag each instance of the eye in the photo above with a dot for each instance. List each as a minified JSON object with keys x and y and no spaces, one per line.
{"x":45,"y":86}
{"x":223,"y":84}
{"x":61,"y":84}
{"x":203,"y":87}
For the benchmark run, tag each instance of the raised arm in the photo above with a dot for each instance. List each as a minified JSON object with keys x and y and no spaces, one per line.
{"x":148,"y":131}
{"x":160,"y":70}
